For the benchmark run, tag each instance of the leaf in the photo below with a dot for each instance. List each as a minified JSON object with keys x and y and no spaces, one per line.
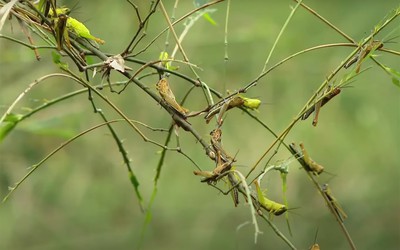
{"x":393,"y":73}
{"x":4,"y":12}
{"x":395,"y":76}
{"x":9,"y":123}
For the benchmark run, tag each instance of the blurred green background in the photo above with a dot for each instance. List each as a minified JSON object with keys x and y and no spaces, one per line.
{"x":82,"y":198}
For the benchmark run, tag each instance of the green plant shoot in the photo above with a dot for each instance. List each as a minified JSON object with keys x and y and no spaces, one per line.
{"x":284,"y":189}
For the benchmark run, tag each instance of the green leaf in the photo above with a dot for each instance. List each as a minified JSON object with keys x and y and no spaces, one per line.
{"x":395,"y":75}
{"x":9,"y":123}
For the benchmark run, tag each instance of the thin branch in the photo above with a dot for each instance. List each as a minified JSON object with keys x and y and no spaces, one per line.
{"x":41,"y":162}
{"x":280,"y":34}
{"x":327,"y":22}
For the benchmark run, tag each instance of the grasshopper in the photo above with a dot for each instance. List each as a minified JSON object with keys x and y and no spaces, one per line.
{"x":211,"y":177}
{"x":315,"y":247}
{"x":81,"y":30}
{"x":336,"y":206}
{"x":363,"y":53}
{"x":223,"y":160}
{"x":221,"y":107}
{"x":59,"y":11}
{"x":232,"y":178}
{"x":221,"y":168}
{"x":168,"y":96}
{"x":308,"y":163}
{"x":216,"y":145}
{"x":236,"y":101}
{"x":61,"y":33}
{"x":314,"y":167}
{"x":330,"y":93}
{"x":271,"y":206}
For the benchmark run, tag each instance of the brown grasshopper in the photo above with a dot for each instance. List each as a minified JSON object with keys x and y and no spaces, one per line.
{"x":317,"y":106}
{"x":217,"y":146}
{"x":221,"y":107}
{"x":363,"y":53}
{"x":168,"y":96}
{"x":221,"y":168}
{"x":223,"y":160}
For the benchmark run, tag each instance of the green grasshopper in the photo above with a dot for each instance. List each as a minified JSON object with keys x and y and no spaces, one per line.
{"x":336,"y":206}
{"x":59,"y":11}
{"x":64,"y":23}
{"x":308,"y":163}
{"x":314,"y":167}
{"x":271,"y":206}
{"x":81,"y":30}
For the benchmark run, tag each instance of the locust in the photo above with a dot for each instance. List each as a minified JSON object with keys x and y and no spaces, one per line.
{"x":363,"y":53}
{"x":314,"y":167}
{"x":308,"y":163}
{"x":64,"y":23}
{"x":217,"y":146}
{"x":223,"y":160}
{"x":236,"y":101}
{"x":168,"y":96}
{"x":334,"y":203}
{"x":330,"y":93}
{"x":221,"y":107}
{"x":81,"y":30}
{"x":271,"y":206}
